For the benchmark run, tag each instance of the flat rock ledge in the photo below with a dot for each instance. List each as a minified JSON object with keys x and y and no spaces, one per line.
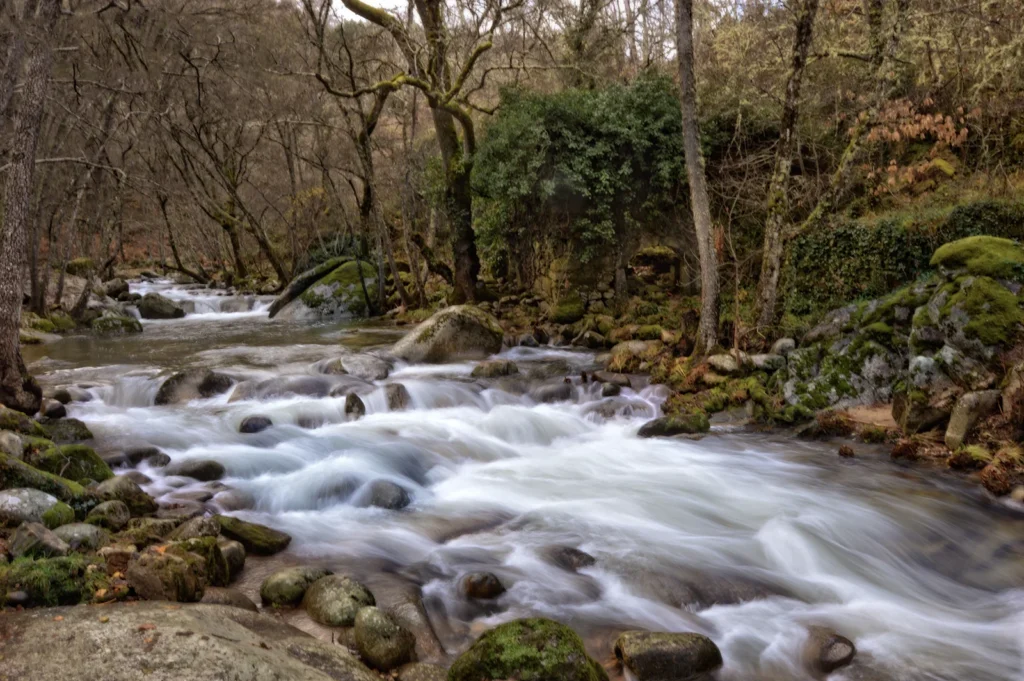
{"x":161,"y":641}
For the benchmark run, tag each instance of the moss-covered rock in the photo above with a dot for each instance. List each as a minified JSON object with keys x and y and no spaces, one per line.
{"x":15,"y":473}
{"x":335,"y":600}
{"x":382,"y":642}
{"x":658,"y":656}
{"x":112,"y":515}
{"x":76,"y":462}
{"x":680,"y":424}
{"x":287,"y":586}
{"x":125,"y":489}
{"x":55,"y":581}
{"x":495,"y":368}
{"x":454,"y":333}
{"x":337,"y":295}
{"x":534,"y":649}
{"x":57,"y":515}
{"x":217,"y":571}
{"x":256,"y":538}
{"x":569,"y":310}
{"x":986,"y":256}
{"x":79,"y":267}
{"x":17,"y":422}
{"x":65,"y":430}
{"x":111,"y":325}
{"x":156,"y":306}
{"x":157,"y":575}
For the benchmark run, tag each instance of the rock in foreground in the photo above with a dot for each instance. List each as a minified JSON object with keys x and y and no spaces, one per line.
{"x":149,"y":640}
{"x":454,"y":333}
{"x":528,"y":650}
{"x":655,"y":656}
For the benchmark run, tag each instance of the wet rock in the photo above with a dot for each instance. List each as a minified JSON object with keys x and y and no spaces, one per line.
{"x":783,"y":346}
{"x":354,"y":406}
{"x":495,"y":368}
{"x":82,"y":536}
{"x":215,"y":566}
{"x":527,"y":340}
{"x":621,"y":380}
{"x":123,"y":488}
{"x":846,"y":451}
{"x":75,"y":462}
{"x":282,"y":386}
{"x":365,"y":366}
{"x":397,"y":396}
{"x":111,"y":515}
{"x":967,"y":412}
{"x":138,"y":477}
{"x":381,"y":641}
{"x":149,"y":640}
{"x":255,"y":424}
{"x":192,"y":384}
{"x":610,"y":390}
{"x":657,"y":656}
{"x":113,"y":324}
{"x":151,"y":455}
{"x":334,"y":600}
{"x":201,"y":526}
{"x":10,"y":444}
{"x":826,"y":651}
{"x":421,"y":671}
{"x":34,"y":540}
{"x":204,"y":470}
{"x":156,"y":306}
{"x":482,"y":586}
{"x":554,"y":392}
{"x":65,"y":429}
{"x":234,"y":500}
{"x":569,"y":558}
{"x":115,"y":287}
{"x":527,"y":650}
{"x":71,"y":394}
{"x":768,"y":362}
{"x":25,"y":505}
{"x":728,"y":364}
{"x":219,"y":595}
{"x":165,"y":576}
{"x":234,"y":554}
{"x":52,"y":409}
{"x":200,"y":496}
{"x":387,"y":494}
{"x":454,"y":333}
{"x":258,"y":539}
{"x":683,"y":424}
{"x":287,"y":587}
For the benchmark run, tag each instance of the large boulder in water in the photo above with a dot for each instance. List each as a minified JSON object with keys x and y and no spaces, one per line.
{"x":156,"y":306}
{"x":454,"y":333}
{"x":192,"y":384}
{"x":335,"y":600}
{"x":528,"y":650}
{"x":337,"y":295}
{"x":150,"y":640}
{"x":281,"y":386}
{"x":655,"y":656}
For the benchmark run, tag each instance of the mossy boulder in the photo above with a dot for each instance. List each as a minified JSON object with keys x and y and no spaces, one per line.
{"x":82,"y":536}
{"x":18,"y":474}
{"x":217,"y":570}
{"x":161,"y":575}
{"x":112,"y":515}
{"x":67,"y":580}
{"x":568,"y":310}
{"x":381,"y":641}
{"x":256,"y":538}
{"x":76,"y":462}
{"x":533,"y":649}
{"x":455,"y":333}
{"x":337,"y":295}
{"x":679,"y":424}
{"x":17,"y":422}
{"x":495,"y":368}
{"x":57,"y":515}
{"x":112,"y":325}
{"x":658,"y":656}
{"x":335,"y":600}
{"x":987,"y":256}
{"x":79,"y":267}
{"x":125,"y":489}
{"x":287,"y":586}
{"x":156,"y":306}
{"x":26,"y":505}
{"x":33,"y":540}
{"x":65,"y":430}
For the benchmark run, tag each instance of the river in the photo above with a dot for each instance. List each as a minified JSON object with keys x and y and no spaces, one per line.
{"x":748,"y":537}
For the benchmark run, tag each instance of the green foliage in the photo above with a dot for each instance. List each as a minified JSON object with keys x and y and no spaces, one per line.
{"x":579,"y":167}
{"x":855,"y":259}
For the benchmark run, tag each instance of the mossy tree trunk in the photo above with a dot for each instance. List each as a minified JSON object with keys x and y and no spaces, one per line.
{"x":18,"y":390}
{"x":777,"y":219}
{"x":707,"y":330}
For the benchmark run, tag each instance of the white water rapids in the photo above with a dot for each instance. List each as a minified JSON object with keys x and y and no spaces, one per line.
{"x":747,"y":537}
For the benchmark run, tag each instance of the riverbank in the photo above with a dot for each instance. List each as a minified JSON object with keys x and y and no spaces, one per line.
{"x":748,"y":538}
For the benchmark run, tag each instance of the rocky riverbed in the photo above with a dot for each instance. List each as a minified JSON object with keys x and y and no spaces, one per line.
{"x":395,"y":510}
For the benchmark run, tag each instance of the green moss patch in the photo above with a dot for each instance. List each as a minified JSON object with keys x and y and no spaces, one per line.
{"x":55,"y":581}
{"x":75,"y":462}
{"x":986,"y":256}
{"x":993,"y":312}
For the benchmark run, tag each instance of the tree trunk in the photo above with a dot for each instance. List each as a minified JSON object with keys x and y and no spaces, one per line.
{"x":229,"y":223}
{"x":18,"y":390}
{"x":458,"y":207}
{"x":707,"y":331}
{"x":777,"y":220}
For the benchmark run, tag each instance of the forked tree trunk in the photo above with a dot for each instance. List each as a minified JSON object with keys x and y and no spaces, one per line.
{"x":707,"y":330}
{"x":777,"y":220}
{"x":18,"y":390}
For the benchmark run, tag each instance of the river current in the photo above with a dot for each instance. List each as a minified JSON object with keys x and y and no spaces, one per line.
{"x":747,"y":537}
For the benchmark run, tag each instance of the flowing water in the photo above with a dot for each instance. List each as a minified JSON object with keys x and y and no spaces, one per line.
{"x":748,"y":537}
